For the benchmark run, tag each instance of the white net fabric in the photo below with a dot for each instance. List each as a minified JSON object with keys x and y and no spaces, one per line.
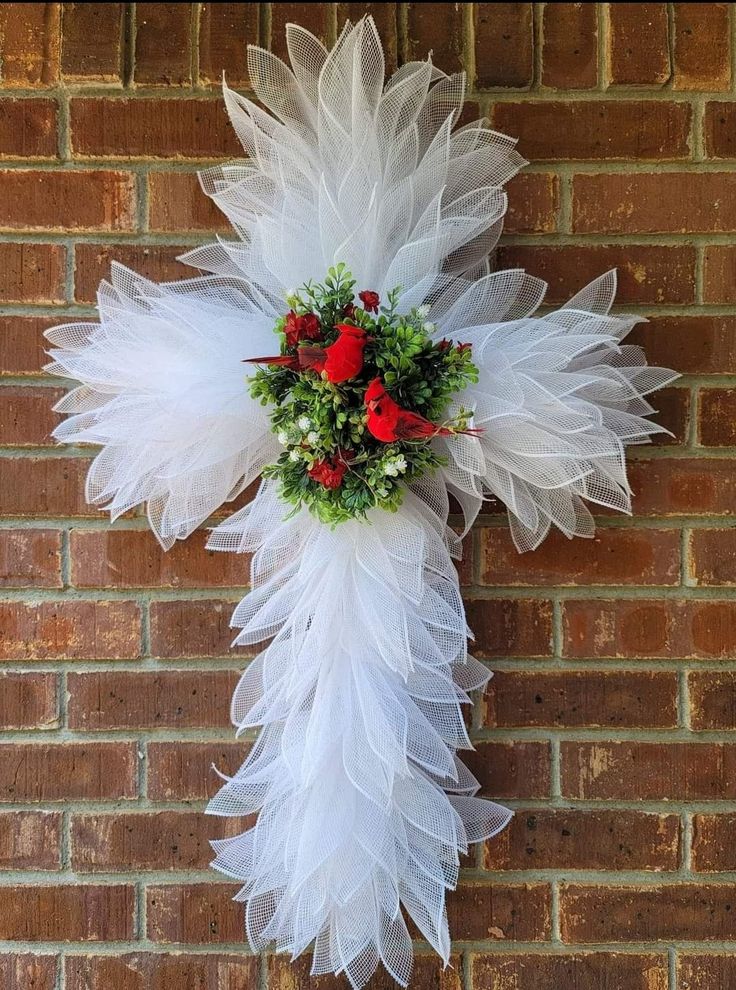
{"x":165,"y":394}
{"x":559,"y":398}
{"x":364,"y":805}
{"x":350,"y":170}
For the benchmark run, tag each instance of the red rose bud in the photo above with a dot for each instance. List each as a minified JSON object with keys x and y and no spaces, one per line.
{"x":329,"y":474}
{"x":370,"y":300}
{"x":464,"y":347}
{"x":443,"y":345}
{"x":348,"y":311}
{"x":299,"y":328}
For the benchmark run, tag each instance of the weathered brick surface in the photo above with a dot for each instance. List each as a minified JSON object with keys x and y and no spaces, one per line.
{"x":167,"y":971}
{"x":119,"y":700}
{"x":588,"y":840}
{"x":639,"y":51}
{"x":610,"y":724}
{"x":579,"y":699}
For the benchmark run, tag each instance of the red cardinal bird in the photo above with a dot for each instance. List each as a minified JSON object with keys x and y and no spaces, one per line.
{"x":387,"y":421}
{"x":340,"y":361}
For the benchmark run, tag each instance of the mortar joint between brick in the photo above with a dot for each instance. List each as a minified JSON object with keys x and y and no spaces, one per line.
{"x":668,"y":83}
{"x":604,"y":39}
{"x":196,"y":15}
{"x":672,"y":969}
{"x":466,"y":961}
{"x":555,"y":768}
{"x":468,"y":56}
{"x":556,"y":937}
{"x":537,"y":45}
{"x":687,"y":842}
{"x":129,"y":30}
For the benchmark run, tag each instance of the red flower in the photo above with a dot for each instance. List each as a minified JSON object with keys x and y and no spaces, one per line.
{"x":299,"y":328}
{"x":329,"y":473}
{"x":464,"y":347}
{"x":443,"y":344}
{"x":348,"y":311}
{"x":370,"y":301}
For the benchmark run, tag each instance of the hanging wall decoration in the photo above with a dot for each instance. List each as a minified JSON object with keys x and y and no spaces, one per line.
{"x":353,"y":348}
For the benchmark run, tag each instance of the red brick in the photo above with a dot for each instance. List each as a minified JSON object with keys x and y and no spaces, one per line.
{"x":67,"y":913}
{"x":712,"y":557}
{"x":597,"y":130}
{"x":162,"y":44}
{"x":163,"y":840}
{"x":70,"y":630}
{"x":30,"y":37}
{"x":26,"y":415}
{"x":720,"y":120}
{"x":192,"y":629}
{"x":701,"y":50}
{"x":438,"y":28}
{"x":30,"y":840}
{"x":161,"y":971}
{"x":581,"y":971}
{"x":700,"y":487}
{"x":612,"y":557}
{"x":196,"y":914}
{"x":716,"y":426}
{"x":511,"y":770}
{"x":22,"y":344}
{"x":534,"y":203}
{"x":92,"y":44}
{"x":705,"y":972}
{"x":155,"y":261}
{"x":712,"y":843}
{"x":384,"y":14}
{"x":67,"y":200}
{"x":570,"y":46}
{"x":712,"y":699}
{"x":501,"y":912}
{"x":134,"y":559}
{"x":30,"y":558}
{"x":428,"y":973}
{"x":150,"y":699}
{"x":184,"y":771}
{"x":503,"y":44}
{"x":19,"y":971}
{"x":44,"y":486}
{"x":646,"y":273}
{"x":582,"y":699}
{"x":28,"y":701}
{"x":510,"y":627}
{"x":27,"y":128}
{"x":146,"y":128}
{"x":653,"y":203}
{"x":688,"y":912}
{"x":672,"y":410}
{"x":697,"y":345}
{"x":315,"y":17}
{"x":719,"y":273}
{"x":648,"y":771}
{"x":638,"y":46}
{"x":225,"y":31}
{"x":565,"y":839}
{"x":31,"y":273}
{"x":67,"y":771}
{"x":178,"y":203}
{"x":660,"y":629}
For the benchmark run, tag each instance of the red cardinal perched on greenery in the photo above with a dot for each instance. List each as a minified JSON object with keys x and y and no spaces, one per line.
{"x":387,"y":421}
{"x":340,"y":361}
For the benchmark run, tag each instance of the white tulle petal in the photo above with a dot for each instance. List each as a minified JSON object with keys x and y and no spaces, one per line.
{"x":166,"y":396}
{"x":362,"y":687}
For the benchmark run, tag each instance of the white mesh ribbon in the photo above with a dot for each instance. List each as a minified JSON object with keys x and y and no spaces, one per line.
{"x":364,"y":805}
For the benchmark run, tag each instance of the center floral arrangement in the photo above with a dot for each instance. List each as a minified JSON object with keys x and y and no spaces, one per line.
{"x":359,"y":391}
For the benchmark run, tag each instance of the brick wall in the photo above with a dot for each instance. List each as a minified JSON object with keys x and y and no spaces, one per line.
{"x":611,"y":722}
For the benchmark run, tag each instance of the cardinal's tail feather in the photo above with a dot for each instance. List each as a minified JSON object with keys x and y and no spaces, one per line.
{"x":364,"y":805}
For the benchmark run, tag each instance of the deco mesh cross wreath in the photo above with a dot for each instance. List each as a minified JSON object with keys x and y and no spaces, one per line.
{"x":386,"y":369}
